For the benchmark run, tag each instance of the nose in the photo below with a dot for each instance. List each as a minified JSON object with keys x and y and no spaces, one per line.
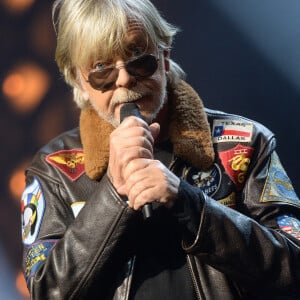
{"x":124,"y":79}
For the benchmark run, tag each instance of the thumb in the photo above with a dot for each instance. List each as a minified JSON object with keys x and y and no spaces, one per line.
{"x":154,"y":129}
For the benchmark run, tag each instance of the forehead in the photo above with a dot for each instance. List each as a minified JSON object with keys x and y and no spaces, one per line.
{"x":135,"y":35}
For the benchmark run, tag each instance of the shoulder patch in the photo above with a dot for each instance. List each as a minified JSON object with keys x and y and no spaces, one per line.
{"x":36,"y":255}
{"x":290,"y":225}
{"x":32,"y":211}
{"x":278,"y":187}
{"x":232,"y":131}
{"x":69,"y":162}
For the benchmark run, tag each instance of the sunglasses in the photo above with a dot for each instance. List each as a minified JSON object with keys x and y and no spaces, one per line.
{"x":141,"y":67}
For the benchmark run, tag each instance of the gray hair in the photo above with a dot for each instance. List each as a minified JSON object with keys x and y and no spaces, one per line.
{"x":83,"y":27}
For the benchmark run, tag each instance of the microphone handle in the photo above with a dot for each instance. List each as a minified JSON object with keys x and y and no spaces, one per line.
{"x":131,"y":109}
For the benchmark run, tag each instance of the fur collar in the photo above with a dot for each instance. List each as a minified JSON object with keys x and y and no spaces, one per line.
{"x":189,"y":133}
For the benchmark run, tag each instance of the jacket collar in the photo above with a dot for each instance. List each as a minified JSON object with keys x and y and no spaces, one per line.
{"x":189,"y":133}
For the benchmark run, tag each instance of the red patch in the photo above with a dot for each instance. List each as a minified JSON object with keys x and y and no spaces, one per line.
{"x":70,"y":162}
{"x":236,"y":162}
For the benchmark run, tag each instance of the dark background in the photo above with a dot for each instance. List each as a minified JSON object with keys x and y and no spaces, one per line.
{"x":241,"y":56}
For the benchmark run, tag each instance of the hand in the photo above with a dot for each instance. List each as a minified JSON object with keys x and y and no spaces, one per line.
{"x":132,"y":139}
{"x":148,"y":180}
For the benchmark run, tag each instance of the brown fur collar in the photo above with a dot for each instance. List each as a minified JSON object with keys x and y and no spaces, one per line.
{"x":189,"y":133}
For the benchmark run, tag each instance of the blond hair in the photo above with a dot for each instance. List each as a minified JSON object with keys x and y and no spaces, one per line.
{"x":84,"y":26}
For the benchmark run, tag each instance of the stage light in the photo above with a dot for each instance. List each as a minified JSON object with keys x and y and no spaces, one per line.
{"x":17,"y":181}
{"x":25,"y":86}
{"x":17,"y":6}
{"x":21,"y":285}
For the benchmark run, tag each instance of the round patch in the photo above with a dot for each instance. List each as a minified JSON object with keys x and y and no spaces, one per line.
{"x":209,"y":182}
{"x":32,"y":211}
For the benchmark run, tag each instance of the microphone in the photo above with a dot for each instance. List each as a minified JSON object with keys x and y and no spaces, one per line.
{"x":127,"y":110}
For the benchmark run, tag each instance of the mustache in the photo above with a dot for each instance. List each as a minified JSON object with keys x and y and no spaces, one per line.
{"x":124,"y":95}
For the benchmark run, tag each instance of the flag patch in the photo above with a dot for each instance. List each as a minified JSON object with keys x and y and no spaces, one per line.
{"x":231,"y":131}
{"x":290,"y":225}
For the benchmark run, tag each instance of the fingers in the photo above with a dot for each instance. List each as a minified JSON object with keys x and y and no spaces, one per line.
{"x":151,"y":181}
{"x":133,"y":139}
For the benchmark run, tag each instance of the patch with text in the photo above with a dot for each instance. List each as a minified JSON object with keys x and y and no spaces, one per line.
{"x":36,"y":255}
{"x":229,"y":201}
{"x":232,"y":131}
{"x":209,"y":182}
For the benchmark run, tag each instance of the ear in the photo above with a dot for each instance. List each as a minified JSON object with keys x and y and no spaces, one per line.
{"x":166,"y":60}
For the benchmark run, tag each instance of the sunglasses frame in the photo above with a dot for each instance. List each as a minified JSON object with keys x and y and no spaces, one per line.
{"x":106,"y":86}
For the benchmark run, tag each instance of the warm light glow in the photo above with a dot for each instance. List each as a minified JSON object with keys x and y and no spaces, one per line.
{"x":21,"y":285}
{"x":17,"y":6}
{"x":25,"y":86}
{"x":17,"y":181}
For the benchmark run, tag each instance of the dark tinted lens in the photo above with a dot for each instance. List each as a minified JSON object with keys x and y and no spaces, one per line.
{"x":144,"y":66}
{"x":103,"y":80}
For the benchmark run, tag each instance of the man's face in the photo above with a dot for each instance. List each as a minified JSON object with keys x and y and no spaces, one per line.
{"x":148,"y":93}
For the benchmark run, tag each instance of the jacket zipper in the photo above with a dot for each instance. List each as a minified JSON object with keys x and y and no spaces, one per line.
{"x":194,"y":279}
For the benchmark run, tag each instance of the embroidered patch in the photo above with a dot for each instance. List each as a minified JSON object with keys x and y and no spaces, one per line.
{"x":231,"y":131}
{"x":209,"y":182}
{"x":76,"y":207}
{"x":32,"y":211}
{"x":236,"y":162}
{"x":69,"y":162}
{"x":229,"y":201}
{"x":37,"y":254}
{"x":278,"y":186}
{"x":290,"y":225}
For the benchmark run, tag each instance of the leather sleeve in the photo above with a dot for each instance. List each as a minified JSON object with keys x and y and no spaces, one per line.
{"x":69,"y":254}
{"x":248,"y":244}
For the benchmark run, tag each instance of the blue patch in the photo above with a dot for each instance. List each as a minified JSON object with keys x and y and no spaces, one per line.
{"x":290,"y":225}
{"x":36,"y":255}
{"x":209,"y":182}
{"x":278,"y":187}
{"x":32,"y":211}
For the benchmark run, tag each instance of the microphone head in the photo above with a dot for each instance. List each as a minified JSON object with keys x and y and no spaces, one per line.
{"x":129,"y":109}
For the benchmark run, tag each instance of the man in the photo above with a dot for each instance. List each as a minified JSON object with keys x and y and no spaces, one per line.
{"x":224,"y":218}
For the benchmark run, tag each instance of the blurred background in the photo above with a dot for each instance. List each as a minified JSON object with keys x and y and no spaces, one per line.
{"x":241,"y":56}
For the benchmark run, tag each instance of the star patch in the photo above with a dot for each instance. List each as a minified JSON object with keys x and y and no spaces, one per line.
{"x":278,"y":187}
{"x":32,"y":211}
{"x":209,"y":182}
{"x":236,"y":162}
{"x":36,"y":255}
{"x":69,"y":162}
{"x":231,"y":131}
{"x":290,"y":225}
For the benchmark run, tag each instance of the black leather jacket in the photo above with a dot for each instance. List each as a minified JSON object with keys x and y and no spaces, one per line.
{"x":238,"y":221}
